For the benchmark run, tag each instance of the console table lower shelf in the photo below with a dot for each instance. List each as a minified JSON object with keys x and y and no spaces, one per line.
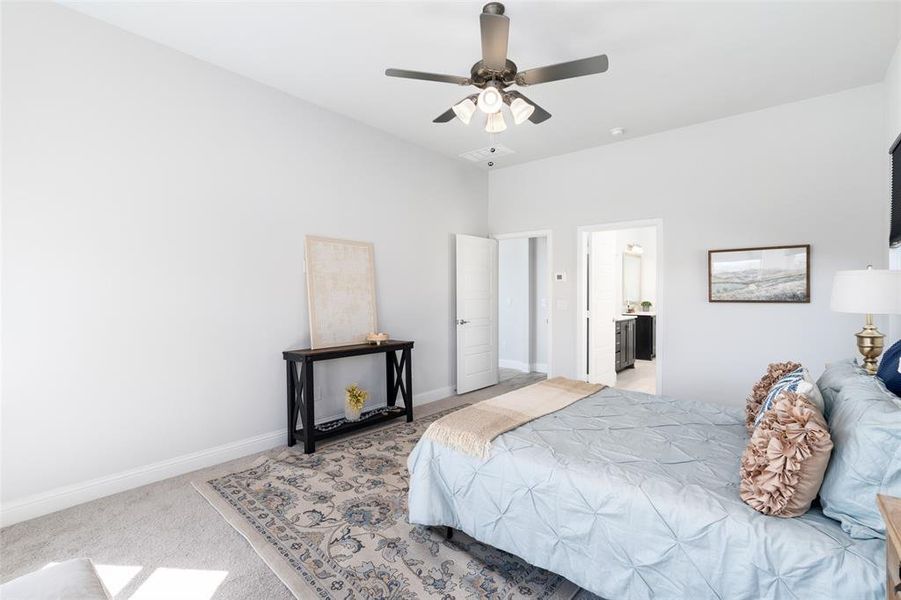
{"x":342,"y":425}
{"x":301,"y":400}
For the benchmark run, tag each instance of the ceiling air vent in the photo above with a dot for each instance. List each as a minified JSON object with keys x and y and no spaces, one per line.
{"x":487,"y":153}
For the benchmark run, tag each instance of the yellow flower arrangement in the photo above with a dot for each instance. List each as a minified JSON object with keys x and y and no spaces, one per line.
{"x":356,"y":396}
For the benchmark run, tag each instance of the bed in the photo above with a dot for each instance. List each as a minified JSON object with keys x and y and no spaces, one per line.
{"x":631,"y":495}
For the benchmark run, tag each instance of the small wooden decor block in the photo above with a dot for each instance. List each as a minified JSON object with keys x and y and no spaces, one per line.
{"x":377,"y":338}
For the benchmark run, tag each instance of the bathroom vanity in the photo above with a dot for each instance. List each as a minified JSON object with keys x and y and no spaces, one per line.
{"x":645,"y":335}
{"x":625,"y":342}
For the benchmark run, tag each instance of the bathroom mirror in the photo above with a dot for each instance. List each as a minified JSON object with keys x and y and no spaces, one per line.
{"x":631,"y":278}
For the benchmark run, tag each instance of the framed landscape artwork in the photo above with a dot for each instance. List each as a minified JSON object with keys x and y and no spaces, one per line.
{"x":771,"y":274}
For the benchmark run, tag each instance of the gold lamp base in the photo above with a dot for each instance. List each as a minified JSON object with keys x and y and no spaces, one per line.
{"x":870,"y":343}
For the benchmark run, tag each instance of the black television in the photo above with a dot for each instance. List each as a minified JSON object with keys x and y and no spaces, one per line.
{"x":894,"y":236}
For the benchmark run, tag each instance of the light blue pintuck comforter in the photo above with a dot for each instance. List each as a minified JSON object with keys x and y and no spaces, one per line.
{"x":636,"y":496}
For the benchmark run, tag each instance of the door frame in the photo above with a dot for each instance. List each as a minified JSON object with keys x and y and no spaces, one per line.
{"x":548,"y":235}
{"x":581,"y":290}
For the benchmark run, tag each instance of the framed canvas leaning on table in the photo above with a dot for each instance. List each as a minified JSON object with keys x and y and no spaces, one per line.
{"x":340,"y":291}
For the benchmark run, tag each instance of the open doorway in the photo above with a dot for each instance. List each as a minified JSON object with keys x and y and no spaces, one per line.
{"x":618,"y":297}
{"x":523,"y":307}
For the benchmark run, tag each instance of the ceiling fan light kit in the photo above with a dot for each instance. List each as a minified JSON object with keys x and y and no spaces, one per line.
{"x":494,"y":73}
{"x":495,"y":123}
{"x":490,"y":100}
{"x":465,"y":109}
{"x":521,"y":110}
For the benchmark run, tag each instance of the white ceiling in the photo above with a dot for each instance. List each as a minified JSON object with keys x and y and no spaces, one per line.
{"x":671,"y":63}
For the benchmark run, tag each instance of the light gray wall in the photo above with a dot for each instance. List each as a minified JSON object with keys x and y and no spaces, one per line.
{"x":513,"y":303}
{"x":154,"y":209}
{"x":808,"y":172}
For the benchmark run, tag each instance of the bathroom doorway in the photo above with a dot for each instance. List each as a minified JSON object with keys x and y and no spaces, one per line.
{"x":619,"y":293}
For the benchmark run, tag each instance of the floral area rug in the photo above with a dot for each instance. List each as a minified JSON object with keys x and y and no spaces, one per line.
{"x":333,"y":525}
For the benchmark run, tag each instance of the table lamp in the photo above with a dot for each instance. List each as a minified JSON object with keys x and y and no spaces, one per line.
{"x":871,"y":292}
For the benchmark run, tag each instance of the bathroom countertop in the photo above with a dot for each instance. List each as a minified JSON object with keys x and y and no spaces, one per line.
{"x":625,"y":317}
{"x":641,"y":313}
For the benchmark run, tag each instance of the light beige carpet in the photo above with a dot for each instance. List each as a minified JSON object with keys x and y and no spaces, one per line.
{"x":167,"y":529}
{"x":332,"y":525}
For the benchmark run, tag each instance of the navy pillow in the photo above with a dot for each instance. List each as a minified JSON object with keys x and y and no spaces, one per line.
{"x":888,"y":369}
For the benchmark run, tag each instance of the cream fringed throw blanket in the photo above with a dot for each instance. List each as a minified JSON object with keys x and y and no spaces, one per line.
{"x":471,"y":429}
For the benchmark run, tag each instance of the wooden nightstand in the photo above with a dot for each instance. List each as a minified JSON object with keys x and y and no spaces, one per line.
{"x":890,"y":507}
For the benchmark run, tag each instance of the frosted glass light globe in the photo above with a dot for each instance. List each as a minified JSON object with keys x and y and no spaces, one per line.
{"x":490,"y":100}
{"x":521,"y":110}
{"x":495,"y":123}
{"x":464,"y":110}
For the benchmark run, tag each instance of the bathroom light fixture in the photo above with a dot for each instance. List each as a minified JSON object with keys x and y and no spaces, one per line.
{"x":490,"y":100}
{"x":495,"y":123}
{"x":617,"y":131}
{"x":465,"y":109}
{"x":634,"y":249}
{"x":521,"y":110}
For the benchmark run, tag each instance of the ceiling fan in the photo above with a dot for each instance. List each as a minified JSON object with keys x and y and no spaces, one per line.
{"x":495,"y":73}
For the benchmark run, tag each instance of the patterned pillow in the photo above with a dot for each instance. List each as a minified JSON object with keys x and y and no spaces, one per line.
{"x":787,"y":383}
{"x":810,"y":389}
{"x":774,"y":373}
{"x":783,"y":465}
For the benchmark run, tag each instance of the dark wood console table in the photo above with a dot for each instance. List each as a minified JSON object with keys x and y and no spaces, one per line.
{"x":398,"y":376}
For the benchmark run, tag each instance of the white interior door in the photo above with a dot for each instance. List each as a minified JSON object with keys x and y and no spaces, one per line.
{"x":476,"y":313}
{"x":602,"y":308}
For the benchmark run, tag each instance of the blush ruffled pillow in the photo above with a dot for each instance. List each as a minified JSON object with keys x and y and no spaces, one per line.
{"x":783,"y":465}
{"x":774,"y":372}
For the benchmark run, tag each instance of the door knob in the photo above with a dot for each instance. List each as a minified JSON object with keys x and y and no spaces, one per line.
{"x":462,"y":321}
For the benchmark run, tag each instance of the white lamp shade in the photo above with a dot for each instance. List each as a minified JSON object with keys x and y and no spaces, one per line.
{"x":490,"y":100}
{"x":495,"y":123}
{"x":867,"y":291}
{"x":521,"y":110}
{"x":464,"y":110}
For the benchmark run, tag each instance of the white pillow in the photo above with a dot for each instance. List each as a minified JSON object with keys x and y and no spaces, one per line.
{"x":70,"y":580}
{"x":809,"y":388}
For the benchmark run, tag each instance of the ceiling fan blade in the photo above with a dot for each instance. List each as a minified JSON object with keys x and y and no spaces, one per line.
{"x":446,"y":116}
{"x":427,"y":76}
{"x":573,"y":68}
{"x":539,"y":115}
{"x":495,"y":33}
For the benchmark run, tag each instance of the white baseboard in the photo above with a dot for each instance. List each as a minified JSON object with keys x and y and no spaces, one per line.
{"x":522,"y":366}
{"x":67,"y":496}
{"x":433,"y":395}
{"x":513,"y":364}
{"x":78,"y":493}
